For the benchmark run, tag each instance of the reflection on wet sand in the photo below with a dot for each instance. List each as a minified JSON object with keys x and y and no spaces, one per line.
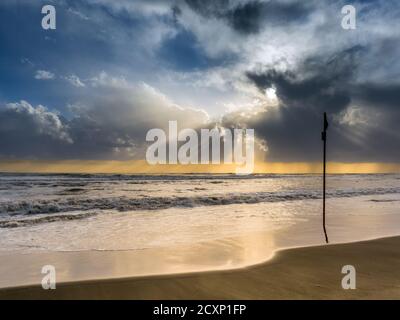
{"x":226,"y":253}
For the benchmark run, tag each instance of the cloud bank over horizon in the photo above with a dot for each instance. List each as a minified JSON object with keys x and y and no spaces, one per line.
{"x":112,"y":70}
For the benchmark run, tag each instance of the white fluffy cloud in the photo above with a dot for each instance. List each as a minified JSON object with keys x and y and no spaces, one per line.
{"x":271,"y":65}
{"x":110,"y":123}
{"x":75,"y":81}
{"x":44,"y":75}
{"x":41,"y":121}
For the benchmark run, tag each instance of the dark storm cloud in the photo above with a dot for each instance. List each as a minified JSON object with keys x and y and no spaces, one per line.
{"x":31,"y":132}
{"x":209,"y":54}
{"x":363,"y":117}
{"x":249,"y":17}
{"x":318,"y":83}
{"x":380,"y":95}
{"x":111,"y":124}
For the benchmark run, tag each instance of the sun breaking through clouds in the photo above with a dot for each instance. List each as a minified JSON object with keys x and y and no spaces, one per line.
{"x":112,"y":70}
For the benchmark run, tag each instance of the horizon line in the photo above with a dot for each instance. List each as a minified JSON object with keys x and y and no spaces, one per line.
{"x":142,"y":167}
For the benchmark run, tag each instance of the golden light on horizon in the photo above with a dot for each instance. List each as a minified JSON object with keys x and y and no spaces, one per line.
{"x":142,"y":167}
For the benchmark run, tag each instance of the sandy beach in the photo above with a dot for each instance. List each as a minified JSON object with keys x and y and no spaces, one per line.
{"x":140,"y":237}
{"x":199,"y":150}
{"x":301,"y":273}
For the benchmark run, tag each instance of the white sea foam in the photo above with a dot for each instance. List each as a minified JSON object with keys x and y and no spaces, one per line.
{"x":72,"y":204}
{"x":102,"y":212}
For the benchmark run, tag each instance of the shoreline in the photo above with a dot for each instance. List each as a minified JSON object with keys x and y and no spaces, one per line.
{"x":277,"y":278}
{"x":228,"y":247}
{"x":220,"y":254}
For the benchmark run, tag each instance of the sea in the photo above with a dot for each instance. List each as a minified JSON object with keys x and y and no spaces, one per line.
{"x":85,"y":212}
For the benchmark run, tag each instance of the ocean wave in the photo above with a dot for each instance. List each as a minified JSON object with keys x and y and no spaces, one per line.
{"x":44,"y":179}
{"x":52,"y":206}
{"x":15,"y":223}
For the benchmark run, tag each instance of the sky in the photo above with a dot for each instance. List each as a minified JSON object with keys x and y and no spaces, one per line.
{"x":112,"y":70}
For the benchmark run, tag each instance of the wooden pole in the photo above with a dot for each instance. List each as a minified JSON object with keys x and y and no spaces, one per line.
{"x":324,"y":177}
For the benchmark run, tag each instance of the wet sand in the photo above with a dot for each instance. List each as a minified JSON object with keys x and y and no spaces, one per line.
{"x":301,"y":273}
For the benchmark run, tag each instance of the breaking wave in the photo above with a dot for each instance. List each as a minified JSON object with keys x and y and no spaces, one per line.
{"x":14,"y":223}
{"x":155,"y":203}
